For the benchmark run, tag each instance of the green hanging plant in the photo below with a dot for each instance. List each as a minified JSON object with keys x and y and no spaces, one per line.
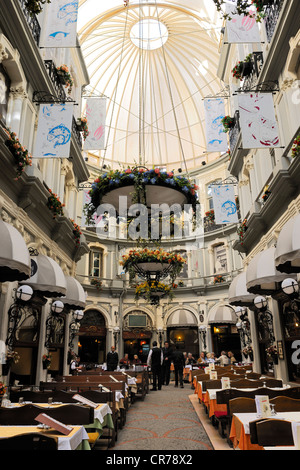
{"x":34,"y":7}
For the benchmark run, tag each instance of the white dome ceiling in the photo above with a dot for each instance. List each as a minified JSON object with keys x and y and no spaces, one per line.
{"x":155,"y":62}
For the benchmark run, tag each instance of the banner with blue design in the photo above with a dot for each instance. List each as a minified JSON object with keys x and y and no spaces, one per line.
{"x":61,"y":24}
{"x":224,"y":204}
{"x":216,"y":139}
{"x":54,"y":131}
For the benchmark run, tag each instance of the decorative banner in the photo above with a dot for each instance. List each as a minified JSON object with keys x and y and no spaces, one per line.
{"x":95,"y":114}
{"x":241,"y":28}
{"x":53,"y":138}
{"x":61,"y":27}
{"x":258,"y":122}
{"x":224,"y":204}
{"x":215,"y":137}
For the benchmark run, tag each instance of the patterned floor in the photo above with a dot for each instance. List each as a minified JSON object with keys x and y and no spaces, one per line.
{"x":165,"y":420}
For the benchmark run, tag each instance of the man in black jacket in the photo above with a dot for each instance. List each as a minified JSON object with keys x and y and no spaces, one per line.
{"x":166,"y":364}
{"x":178,"y":361}
{"x":155,"y":360}
{"x":112,"y":359}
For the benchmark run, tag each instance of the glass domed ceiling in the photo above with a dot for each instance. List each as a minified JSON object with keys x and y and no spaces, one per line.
{"x":155,"y":62}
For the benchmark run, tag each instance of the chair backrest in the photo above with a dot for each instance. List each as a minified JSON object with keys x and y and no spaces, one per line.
{"x":212,"y":384}
{"x":285,"y":404}
{"x":223,"y":396}
{"x":274,"y":432}
{"x":27,"y":395}
{"x":67,"y":414}
{"x":29,"y":441}
{"x":273,"y":382}
{"x":242,"y":405}
{"x":253,"y":431}
{"x":253,"y":375}
{"x":245,"y":383}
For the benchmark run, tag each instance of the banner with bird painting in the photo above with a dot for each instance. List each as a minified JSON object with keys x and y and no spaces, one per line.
{"x":225,"y":208}
{"x":96,"y":115}
{"x":216,"y":139}
{"x":54,"y":131}
{"x":61,"y":25}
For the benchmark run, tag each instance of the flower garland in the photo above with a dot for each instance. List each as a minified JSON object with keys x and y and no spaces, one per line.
{"x":83,"y":123}
{"x":228,"y":122}
{"x":139,"y":178}
{"x":77,"y":232}
{"x":55,"y":205}
{"x":34,"y":7}
{"x":21,"y":155}
{"x":241,"y":230}
{"x":65,"y":77}
{"x":296,"y":147}
{"x":146,"y":255}
{"x":218,"y":279}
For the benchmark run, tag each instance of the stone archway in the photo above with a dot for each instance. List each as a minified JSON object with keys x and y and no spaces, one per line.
{"x":92,"y":337}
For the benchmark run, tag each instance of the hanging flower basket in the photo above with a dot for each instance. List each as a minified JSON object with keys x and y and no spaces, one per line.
{"x":210,"y":216}
{"x":55,"y":205}
{"x":34,"y":7}
{"x":21,"y":155}
{"x":272,"y":354}
{"x":296,"y":147}
{"x":65,"y":77}
{"x":237,"y":71}
{"x":142,"y":186}
{"x":154,"y":291}
{"x":77,"y":232}
{"x":228,"y":123}
{"x":148,"y":263}
{"x":97,"y":283}
{"x":219,"y":279}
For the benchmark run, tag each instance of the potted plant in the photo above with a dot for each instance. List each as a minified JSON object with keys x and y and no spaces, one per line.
{"x":237,"y":71}
{"x":12,"y":357}
{"x":55,"y":205}
{"x":83,"y":127}
{"x":77,"y":232}
{"x":65,"y":77}
{"x":296,"y":147}
{"x":228,"y":123}
{"x":247,"y":66}
{"x":241,"y":230}
{"x":46,"y":359}
{"x":96,"y":282}
{"x":218,"y":279}
{"x":21,"y":155}
{"x":210,"y":216}
{"x":272,"y":353}
{"x":34,"y":7}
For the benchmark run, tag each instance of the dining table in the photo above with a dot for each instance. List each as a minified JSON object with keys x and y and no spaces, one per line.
{"x":240,"y":428}
{"x":77,"y":439}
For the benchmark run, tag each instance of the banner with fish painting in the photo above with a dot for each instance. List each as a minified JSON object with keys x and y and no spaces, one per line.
{"x":61,"y":25}
{"x":225,"y":208}
{"x":216,"y":139}
{"x":54,"y":131}
{"x":257,"y":120}
{"x":241,"y":29}
{"x":96,"y":115}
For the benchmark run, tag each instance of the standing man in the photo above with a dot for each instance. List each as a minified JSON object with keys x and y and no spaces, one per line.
{"x":166,"y":364}
{"x":155,"y":360}
{"x":112,"y":359}
{"x":178,"y":361}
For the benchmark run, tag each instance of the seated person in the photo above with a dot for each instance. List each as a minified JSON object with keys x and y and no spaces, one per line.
{"x":202,"y":358}
{"x":223,"y":359}
{"x":190,"y":360}
{"x":232,"y":359}
{"x":210,"y":357}
{"x":136,"y":360}
{"x":125,"y":361}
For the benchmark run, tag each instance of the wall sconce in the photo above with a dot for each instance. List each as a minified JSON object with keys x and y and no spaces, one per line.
{"x":243,"y":326}
{"x":22,"y":296}
{"x":74,"y":326}
{"x":24,"y":293}
{"x":78,"y":315}
{"x":265,"y":320}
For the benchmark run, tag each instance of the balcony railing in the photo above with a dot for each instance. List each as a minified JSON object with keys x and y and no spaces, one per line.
{"x":256,"y":62}
{"x":272,"y":12}
{"x":56,"y":82}
{"x":77,"y":133}
{"x":32,"y":22}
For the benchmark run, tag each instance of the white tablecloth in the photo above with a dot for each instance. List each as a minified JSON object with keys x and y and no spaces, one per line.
{"x":212,"y":391}
{"x":101,"y":411}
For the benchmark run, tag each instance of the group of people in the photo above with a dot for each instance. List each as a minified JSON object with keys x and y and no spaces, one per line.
{"x":160,"y":360}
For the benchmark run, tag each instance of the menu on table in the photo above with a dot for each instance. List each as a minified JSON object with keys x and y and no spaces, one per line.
{"x":53,"y":423}
{"x":263,"y":408}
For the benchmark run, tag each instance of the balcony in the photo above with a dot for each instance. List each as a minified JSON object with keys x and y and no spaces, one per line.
{"x":254,"y":66}
{"x":272,"y":12}
{"x":55,"y":79}
{"x":32,"y":22}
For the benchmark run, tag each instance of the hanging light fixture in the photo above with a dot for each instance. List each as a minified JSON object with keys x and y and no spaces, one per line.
{"x":290,"y":287}
{"x":57,"y":307}
{"x":24,"y":293}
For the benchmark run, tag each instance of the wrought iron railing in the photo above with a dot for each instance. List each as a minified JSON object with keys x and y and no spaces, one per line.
{"x":56,"y":82}
{"x":32,"y":22}
{"x":257,"y":62}
{"x":234,"y":133}
{"x":77,"y":133}
{"x":272,"y":12}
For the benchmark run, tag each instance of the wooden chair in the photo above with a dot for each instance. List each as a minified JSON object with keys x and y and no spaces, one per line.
{"x":283,"y":404}
{"x":274,"y":432}
{"x":253,"y":375}
{"x":28,"y":441}
{"x":242,"y":405}
{"x":253,"y":430}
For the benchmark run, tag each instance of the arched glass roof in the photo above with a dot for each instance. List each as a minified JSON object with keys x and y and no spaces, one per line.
{"x":155,"y":61}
